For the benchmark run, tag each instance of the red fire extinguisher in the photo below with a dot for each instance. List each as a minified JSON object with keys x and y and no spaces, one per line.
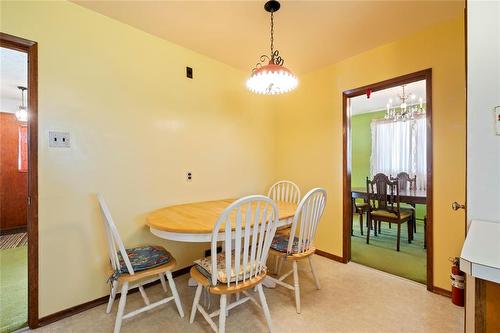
{"x":457,"y":283}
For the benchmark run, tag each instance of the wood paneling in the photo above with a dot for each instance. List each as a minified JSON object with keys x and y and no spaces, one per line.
{"x":13,"y":183}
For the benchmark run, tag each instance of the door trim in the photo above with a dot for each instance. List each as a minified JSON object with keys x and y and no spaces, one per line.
{"x":31,"y":49}
{"x":425,"y":74}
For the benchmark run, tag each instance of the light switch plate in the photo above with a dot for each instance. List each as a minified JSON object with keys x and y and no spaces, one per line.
{"x":59,"y":139}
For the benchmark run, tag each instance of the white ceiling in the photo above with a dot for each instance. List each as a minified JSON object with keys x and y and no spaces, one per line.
{"x":308,"y":34}
{"x":379,"y":99}
{"x":13,"y":73}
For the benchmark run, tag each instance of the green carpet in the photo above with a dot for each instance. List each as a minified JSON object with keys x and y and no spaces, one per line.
{"x":13,"y":288}
{"x":381,"y":254}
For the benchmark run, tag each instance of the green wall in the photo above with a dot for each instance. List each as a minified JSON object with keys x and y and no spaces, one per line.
{"x":361,"y":143}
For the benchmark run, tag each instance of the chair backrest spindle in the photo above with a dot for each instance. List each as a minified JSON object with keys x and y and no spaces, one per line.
{"x":113,"y":238}
{"x":251,"y":222}
{"x":306,"y":218}
{"x":286,"y":191}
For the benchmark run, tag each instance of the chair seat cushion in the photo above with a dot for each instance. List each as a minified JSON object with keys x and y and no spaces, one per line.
{"x":280,"y":243}
{"x":361,"y":204}
{"x":144,"y":257}
{"x":386,"y":214}
{"x":204,"y":266}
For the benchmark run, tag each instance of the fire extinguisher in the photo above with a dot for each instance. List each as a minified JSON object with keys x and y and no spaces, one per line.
{"x":457,"y":283}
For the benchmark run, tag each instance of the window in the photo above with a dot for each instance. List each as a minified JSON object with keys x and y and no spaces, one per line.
{"x":400,"y":146}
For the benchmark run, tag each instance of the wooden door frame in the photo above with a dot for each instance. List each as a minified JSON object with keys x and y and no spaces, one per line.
{"x":31,"y":49}
{"x":426,"y":75}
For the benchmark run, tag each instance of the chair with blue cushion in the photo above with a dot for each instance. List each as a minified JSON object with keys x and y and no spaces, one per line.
{"x":299,"y":244}
{"x":134,"y":267}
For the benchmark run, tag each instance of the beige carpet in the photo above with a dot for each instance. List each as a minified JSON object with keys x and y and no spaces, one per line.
{"x":13,"y":240}
{"x":353,"y":298}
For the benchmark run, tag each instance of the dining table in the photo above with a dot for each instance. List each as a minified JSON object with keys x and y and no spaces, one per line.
{"x":194,"y":222}
{"x":408,"y":196}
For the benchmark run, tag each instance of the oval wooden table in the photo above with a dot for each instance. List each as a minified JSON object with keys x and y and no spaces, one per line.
{"x":194,"y":222}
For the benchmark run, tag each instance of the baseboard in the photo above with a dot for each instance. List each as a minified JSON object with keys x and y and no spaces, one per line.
{"x":330,"y":256}
{"x":15,"y":230}
{"x":96,"y":302}
{"x":441,"y":291}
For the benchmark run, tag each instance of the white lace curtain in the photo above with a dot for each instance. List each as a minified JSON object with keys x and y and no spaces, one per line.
{"x":400,"y":146}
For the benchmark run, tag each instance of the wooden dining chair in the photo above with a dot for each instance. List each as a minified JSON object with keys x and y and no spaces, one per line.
{"x":407,"y":183}
{"x":287,"y":191}
{"x":384,"y":201}
{"x":360,"y":208}
{"x":247,"y":228}
{"x":299,"y":245}
{"x":134,"y":267}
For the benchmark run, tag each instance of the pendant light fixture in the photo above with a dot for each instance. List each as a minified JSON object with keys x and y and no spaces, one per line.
{"x":22,"y":113}
{"x":271,"y":78}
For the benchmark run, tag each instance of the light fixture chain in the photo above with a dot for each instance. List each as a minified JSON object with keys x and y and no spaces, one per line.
{"x":272,"y":33}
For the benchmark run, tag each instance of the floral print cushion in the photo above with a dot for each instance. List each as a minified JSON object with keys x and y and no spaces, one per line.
{"x":204,"y":266}
{"x":144,"y":257}
{"x":280,"y":243}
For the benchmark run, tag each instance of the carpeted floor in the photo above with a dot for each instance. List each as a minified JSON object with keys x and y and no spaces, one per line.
{"x":13,"y":288}
{"x":381,"y":254}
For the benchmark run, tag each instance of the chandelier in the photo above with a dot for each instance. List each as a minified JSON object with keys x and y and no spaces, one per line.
{"x":271,"y":78}
{"x":409,"y":108}
{"x":22,"y":113}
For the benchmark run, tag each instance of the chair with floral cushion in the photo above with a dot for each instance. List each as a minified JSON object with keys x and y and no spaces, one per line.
{"x":247,"y":227}
{"x":299,"y":244}
{"x":134,"y":267}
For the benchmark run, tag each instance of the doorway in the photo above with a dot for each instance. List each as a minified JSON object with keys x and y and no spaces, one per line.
{"x":387,"y":130}
{"x":21,"y":120}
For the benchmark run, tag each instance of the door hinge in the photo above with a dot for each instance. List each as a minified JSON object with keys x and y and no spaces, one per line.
{"x":29,"y":200}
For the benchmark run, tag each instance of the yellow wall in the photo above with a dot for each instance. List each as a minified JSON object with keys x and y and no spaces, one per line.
{"x":309,"y":130}
{"x":137,"y":125}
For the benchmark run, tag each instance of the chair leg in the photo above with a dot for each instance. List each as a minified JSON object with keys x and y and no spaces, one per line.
{"x":379,"y":226}
{"x":425,"y":232}
{"x":265,"y":308}
{"x":414,"y":218}
{"x":195,"y":303}
{"x":144,"y":295}
{"x":222,"y":314}
{"x":112,"y":296}
{"x":399,"y":237}
{"x":410,"y":228}
{"x":163,"y":282}
{"x":313,"y":271}
{"x":361,"y":222}
{"x":296,"y":285}
{"x":368,"y":230}
{"x":375,"y":224}
{"x":177,"y":300}
{"x":390,"y":225}
{"x":280,"y":264}
{"x":121,"y":307}
{"x":352,"y":222}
